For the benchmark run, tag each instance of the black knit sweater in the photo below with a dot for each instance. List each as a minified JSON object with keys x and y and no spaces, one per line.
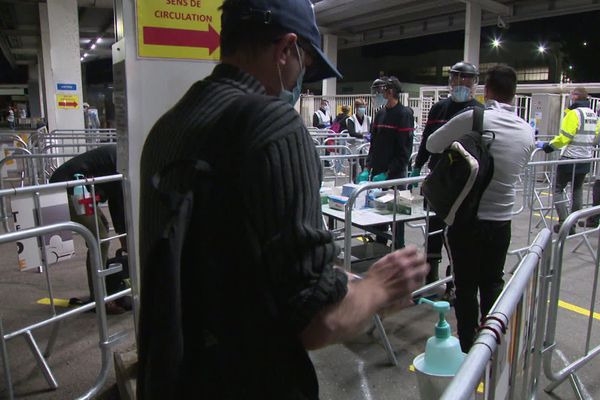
{"x":257,"y":265}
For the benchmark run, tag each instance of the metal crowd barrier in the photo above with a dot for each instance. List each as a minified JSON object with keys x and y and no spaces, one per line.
{"x":569,"y":371}
{"x":507,"y":353}
{"x":97,"y":272}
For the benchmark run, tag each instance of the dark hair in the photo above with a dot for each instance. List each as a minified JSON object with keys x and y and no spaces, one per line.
{"x":245,"y":31}
{"x":501,"y":80}
{"x":395,"y":86}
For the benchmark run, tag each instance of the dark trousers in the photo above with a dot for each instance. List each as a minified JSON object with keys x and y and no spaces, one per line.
{"x":478,"y":254}
{"x":564,"y":175}
{"x":434,"y":247}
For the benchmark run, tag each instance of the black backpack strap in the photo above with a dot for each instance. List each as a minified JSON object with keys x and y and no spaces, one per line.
{"x":478,"y":120}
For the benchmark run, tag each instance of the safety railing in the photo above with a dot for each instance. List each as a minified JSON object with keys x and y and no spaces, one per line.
{"x":507,"y":353}
{"x":569,"y":370}
{"x":105,"y":340}
{"x":96,"y":271}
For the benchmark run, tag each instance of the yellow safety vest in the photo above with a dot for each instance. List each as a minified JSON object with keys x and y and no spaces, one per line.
{"x":578,"y":132}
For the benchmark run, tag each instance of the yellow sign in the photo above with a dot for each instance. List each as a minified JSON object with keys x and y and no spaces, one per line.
{"x":187,"y":29}
{"x":67,"y":101}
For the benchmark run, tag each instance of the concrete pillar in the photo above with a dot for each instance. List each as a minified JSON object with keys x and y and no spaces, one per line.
{"x":472,"y":33}
{"x":35,"y":91}
{"x":144,"y":89}
{"x":330,"y":49}
{"x":59,"y":27}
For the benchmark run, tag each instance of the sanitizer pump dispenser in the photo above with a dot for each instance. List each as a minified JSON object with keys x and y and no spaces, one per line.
{"x":79,"y":193}
{"x":442,"y":358}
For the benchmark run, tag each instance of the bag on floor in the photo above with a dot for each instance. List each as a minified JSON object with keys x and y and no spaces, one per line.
{"x":465,"y":169}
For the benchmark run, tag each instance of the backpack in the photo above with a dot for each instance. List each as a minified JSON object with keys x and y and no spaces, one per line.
{"x":455,"y":186}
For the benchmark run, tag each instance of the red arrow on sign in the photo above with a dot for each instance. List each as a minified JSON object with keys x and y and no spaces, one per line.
{"x":182,"y":37}
{"x":68,"y":104}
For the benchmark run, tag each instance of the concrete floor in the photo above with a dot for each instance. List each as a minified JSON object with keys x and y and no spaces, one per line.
{"x":358,"y":369}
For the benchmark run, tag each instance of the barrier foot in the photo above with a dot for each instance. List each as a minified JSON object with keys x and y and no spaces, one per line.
{"x":37,"y":354}
{"x":578,"y":389}
{"x":52,"y":339}
{"x":5,"y":364}
{"x":385,"y":340}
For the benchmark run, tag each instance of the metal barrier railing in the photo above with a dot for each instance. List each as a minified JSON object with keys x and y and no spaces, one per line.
{"x":569,"y":371}
{"x":509,"y":343}
{"x":96,"y":271}
{"x":105,"y":341}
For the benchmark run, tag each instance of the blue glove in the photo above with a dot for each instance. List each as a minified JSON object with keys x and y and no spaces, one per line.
{"x":363,"y":176}
{"x":540,"y":145}
{"x":548,"y":148}
{"x":380,"y":177}
{"x":414,"y":172}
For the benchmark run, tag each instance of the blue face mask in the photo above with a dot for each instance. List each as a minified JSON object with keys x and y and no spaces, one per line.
{"x":460,"y":94}
{"x":380,"y":101}
{"x":293,"y":95}
{"x":361,"y":111}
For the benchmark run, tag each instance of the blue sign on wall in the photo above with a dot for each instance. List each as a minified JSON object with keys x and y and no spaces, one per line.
{"x":66,"y":86}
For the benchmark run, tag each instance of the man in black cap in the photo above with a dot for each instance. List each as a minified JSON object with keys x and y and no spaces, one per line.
{"x":250,"y":307}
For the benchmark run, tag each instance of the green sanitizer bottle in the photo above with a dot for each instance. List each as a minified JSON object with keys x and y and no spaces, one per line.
{"x":442,"y":358}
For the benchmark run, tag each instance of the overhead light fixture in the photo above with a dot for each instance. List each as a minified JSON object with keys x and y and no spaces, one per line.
{"x":93,"y":47}
{"x":98,"y":40}
{"x":570,"y":67}
{"x":541,"y":49}
{"x":496,"y":42}
{"x":584,"y":44}
{"x":85,"y":55}
{"x":81,"y":59}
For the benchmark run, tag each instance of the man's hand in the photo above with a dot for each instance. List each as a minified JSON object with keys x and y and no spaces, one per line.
{"x":396,"y":276}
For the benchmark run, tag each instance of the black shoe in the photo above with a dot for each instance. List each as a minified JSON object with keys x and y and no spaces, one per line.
{"x":572,"y":231}
{"x":588,"y":223}
{"x":125,"y":302}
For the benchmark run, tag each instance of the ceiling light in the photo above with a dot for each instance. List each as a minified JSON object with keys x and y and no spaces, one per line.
{"x":85,"y":54}
{"x":81,"y":59}
{"x":496,"y":42}
{"x":93,"y":47}
{"x":541,"y":48}
{"x":98,"y":40}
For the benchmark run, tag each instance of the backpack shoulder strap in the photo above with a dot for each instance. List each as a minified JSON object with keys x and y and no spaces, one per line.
{"x":478,"y":120}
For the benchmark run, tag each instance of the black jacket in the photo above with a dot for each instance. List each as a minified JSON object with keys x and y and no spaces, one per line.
{"x":392,"y":134}
{"x":440,"y":113}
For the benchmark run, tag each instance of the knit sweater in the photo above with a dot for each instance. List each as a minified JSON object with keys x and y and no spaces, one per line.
{"x":257,"y":265}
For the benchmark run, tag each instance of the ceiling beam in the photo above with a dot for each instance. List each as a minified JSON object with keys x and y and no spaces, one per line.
{"x":347,"y":12}
{"x":22,"y":2}
{"x":26,"y":51}
{"x":491,"y":6}
{"x":6,"y":51}
{"x":21,"y":32}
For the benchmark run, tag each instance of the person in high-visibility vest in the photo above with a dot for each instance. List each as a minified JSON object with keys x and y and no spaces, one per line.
{"x":578,"y":135}
{"x":592,"y":222}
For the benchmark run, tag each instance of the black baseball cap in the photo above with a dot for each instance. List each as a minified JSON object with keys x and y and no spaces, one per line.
{"x":298,"y":17}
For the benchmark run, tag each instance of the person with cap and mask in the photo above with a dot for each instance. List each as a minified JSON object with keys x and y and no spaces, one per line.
{"x":247,"y":311}
{"x":392,"y":133}
{"x":462,"y":81}
{"x":578,"y":135}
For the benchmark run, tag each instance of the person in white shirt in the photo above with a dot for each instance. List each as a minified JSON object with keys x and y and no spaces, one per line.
{"x":359,"y":124}
{"x":478,"y":249}
{"x":322,"y":117}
